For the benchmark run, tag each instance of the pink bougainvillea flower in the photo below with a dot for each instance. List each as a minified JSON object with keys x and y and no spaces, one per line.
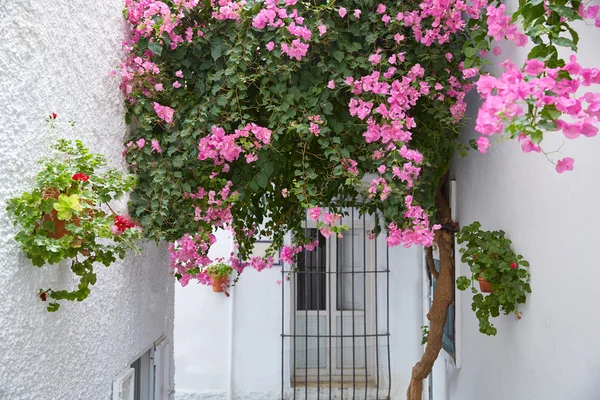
{"x":331,"y":84}
{"x":326,"y":231}
{"x":164,"y":112}
{"x":483,"y":144}
{"x":357,"y":13}
{"x":342,"y":12}
{"x":156,"y":146}
{"x":179,"y":74}
{"x":270,"y":46}
{"x":176,"y":85}
{"x":322,"y":29}
{"x":527,"y":145}
{"x":565,"y":164}
{"x":315,"y":213}
{"x":141,"y":143}
{"x":159,"y":87}
{"x":534,"y":67}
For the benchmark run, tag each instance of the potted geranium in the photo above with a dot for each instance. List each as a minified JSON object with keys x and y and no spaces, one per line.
{"x":66,"y":216}
{"x":500,"y":272}
{"x":219,"y":275}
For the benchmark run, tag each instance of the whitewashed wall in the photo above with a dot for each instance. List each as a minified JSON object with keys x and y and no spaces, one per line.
{"x":56,"y":56}
{"x":553,"y":353}
{"x":203,"y":325}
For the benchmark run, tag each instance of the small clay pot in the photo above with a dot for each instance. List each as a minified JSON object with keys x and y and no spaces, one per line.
{"x":217,"y":283}
{"x":59,"y":225}
{"x":484,"y":286}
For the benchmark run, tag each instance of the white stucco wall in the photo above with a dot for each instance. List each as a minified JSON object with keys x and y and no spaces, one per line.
{"x":202,"y":331}
{"x":56,"y":57}
{"x":553,"y":353}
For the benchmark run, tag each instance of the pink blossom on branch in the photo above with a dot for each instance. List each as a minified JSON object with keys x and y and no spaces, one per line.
{"x":565,"y":164}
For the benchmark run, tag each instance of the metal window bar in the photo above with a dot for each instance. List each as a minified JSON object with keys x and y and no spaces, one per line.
{"x":324,"y":294}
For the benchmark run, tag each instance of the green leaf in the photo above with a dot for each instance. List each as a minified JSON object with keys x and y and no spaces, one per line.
{"x":564,"y":42}
{"x":462,"y":283}
{"x":470,"y":52}
{"x":155,"y":47}
{"x":338,"y":55}
{"x":563,"y":11}
{"x":66,"y":206}
{"x":48,"y":226}
{"x":536,"y":137}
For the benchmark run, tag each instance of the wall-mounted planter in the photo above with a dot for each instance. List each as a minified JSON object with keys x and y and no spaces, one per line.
{"x":217,"y":284}
{"x":484,"y":286}
{"x":59,"y":225}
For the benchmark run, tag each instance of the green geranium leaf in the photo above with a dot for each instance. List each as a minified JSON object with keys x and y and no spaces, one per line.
{"x":67,"y":205}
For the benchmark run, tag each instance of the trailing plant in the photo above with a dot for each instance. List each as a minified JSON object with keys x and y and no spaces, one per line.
{"x":251,"y":115}
{"x":66,"y":216}
{"x":219,"y":271}
{"x":491,"y":259}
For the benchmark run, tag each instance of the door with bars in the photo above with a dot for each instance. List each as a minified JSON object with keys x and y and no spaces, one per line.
{"x":336,"y":341}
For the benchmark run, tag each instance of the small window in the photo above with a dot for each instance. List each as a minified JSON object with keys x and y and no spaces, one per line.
{"x":148,"y":377}
{"x":124,"y":385}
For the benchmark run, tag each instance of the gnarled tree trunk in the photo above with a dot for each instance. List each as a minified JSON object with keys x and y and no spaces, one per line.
{"x":442,"y":299}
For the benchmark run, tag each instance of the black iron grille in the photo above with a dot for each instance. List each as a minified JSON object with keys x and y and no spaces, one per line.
{"x":335,"y":318}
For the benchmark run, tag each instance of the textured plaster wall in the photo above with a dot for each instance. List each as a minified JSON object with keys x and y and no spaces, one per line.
{"x":56,"y":56}
{"x":553,"y":353}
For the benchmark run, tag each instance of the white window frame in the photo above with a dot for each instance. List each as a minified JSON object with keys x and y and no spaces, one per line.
{"x":163,"y":387}
{"x":331,"y":303}
{"x":160,"y":386}
{"x":124,"y":382}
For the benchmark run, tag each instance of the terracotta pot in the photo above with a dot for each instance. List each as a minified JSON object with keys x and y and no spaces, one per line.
{"x":485,"y":286}
{"x":217,"y":283}
{"x":59,"y":225}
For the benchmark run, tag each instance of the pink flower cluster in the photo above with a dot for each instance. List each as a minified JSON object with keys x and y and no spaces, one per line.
{"x":165,"y":113}
{"x":418,"y":230}
{"x":216,"y":209}
{"x":499,"y":26}
{"x":506,"y":96}
{"x":288,"y":253}
{"x":150,"y":20}
{"x":275,"y":17}
{"x":225,"y":9}
{"x":437,"y":20}
{"x":190,"y":253}
{"x":224,"y":148}
{"x":257,"y":263}
{"x":591,"y":13}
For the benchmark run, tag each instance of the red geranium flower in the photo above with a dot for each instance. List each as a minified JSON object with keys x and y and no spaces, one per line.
{"x":122,"y":223}
{"x":53,"y":116}
{"x":513,"y":265}
{"x":80,"y":177}
{"x":43,"y":296}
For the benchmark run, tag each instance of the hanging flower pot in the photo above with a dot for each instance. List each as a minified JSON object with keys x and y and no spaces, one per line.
{"x":217,"y":283}
{"x":484,"y":286}
{"x":219,"y":274}
{"x":60,"y":229}
{"x":65,"y":204}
